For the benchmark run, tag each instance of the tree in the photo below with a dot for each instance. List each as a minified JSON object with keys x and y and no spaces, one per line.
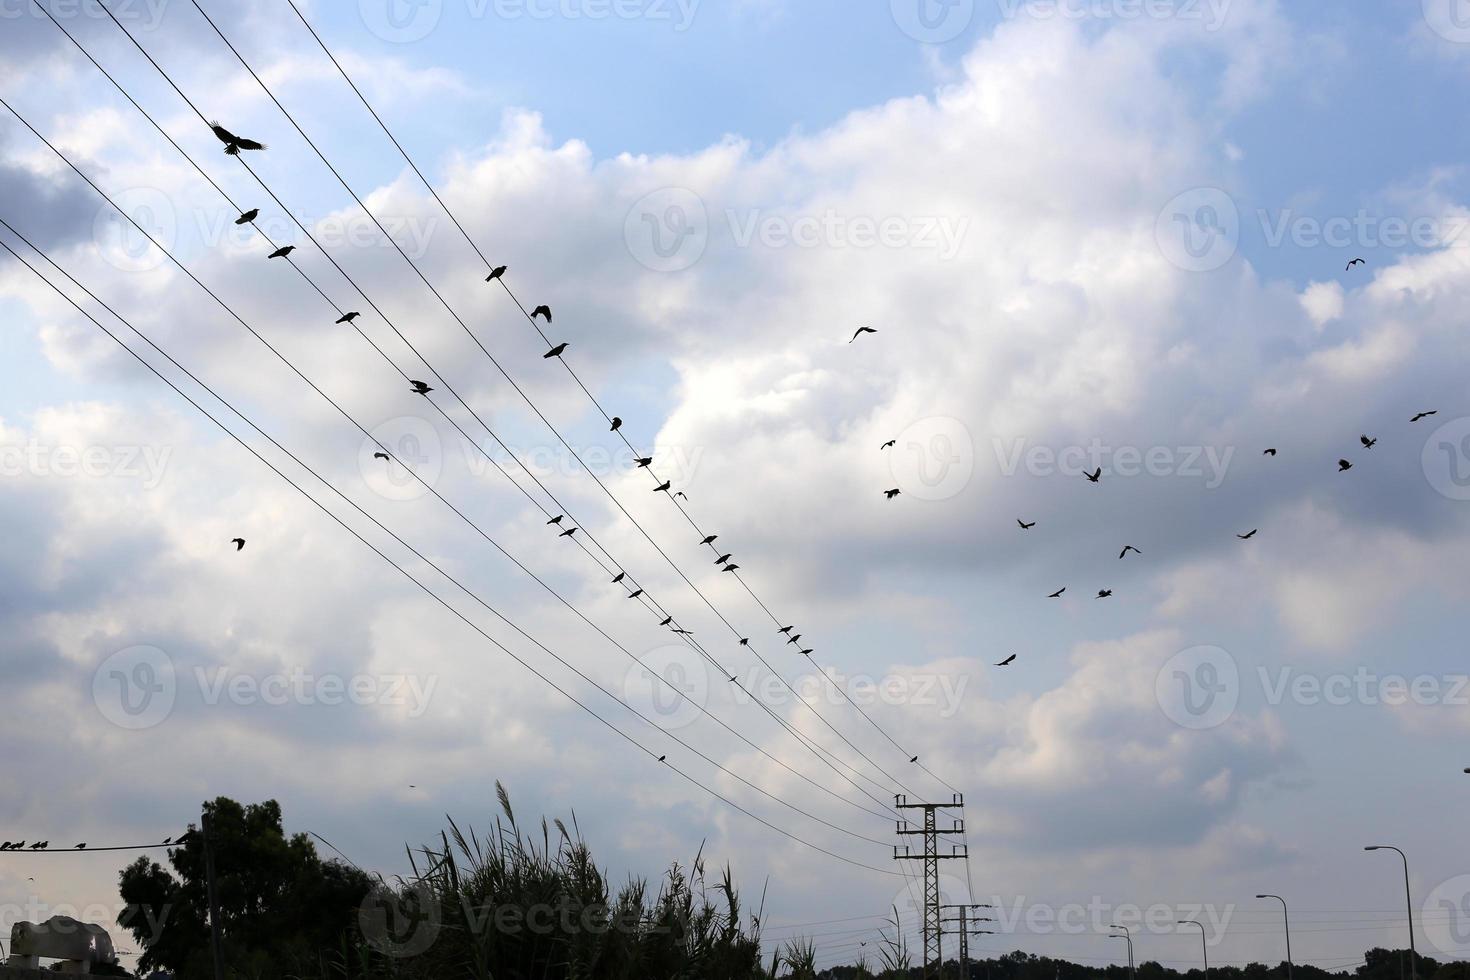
{"x":281,"y":906}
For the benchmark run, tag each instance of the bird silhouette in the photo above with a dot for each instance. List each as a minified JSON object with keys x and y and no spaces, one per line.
{"x":1058,"y":593}
{"x":1024,"y":525}
{"x":617,"y":424}
{"x":1247,"y":537}
{"x":745,"y":641}
{"x":348,"y":317}
{"x":1007,"y":661}
{"x":645,"y":461}
{"x":419,"y":388}
{"x":81,"y":847}
{"x":168,"y":840}
{"x":1355,"y":262}
{"x":383,"y":456}
{"x":667,"y":620}
{"x":683,"y":632}
{"x":542,"y":310}
{"x":1423,"y":415}
{"x":711,"y":539}
{"x":890,"y":494}
{"x":568,"y":532}
{"x":634,"y":595}
{"x":495,"y":273}
{"x":1343,"y":466}
{"x":888,"y":445}
{"x":786,"y":629}
{"x":1367,"y":443}
{"x":239,"y":543}
{"x":555,"y":351}
{"x":662,"y":758}
{"x":248,"y":216}
{"x":730,"y":567}
{"x":794,"y":640}
{"x":663,"y":487}
{"x":722,"y":559}
{"x":914,"y":759}
{"x":1104,"y":593}
{"x":1094,"y":476}
{"x":1127,"y":548}
{"x":282,"y":252}
{"x":808,"y":652}
{"x":681,"y":493}
{"x":234,"y":144}
{"x":1269,"y":452}
{"x":860,"y":331}
{"x":619,"y":577}
{"x":557,"y":519}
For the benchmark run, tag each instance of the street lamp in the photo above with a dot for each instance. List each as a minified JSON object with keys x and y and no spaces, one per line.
{"x":1132,"y":972}
{"x":1409,"y":897}
{"x":1287,"y":916}
{"x":1204,"y":945}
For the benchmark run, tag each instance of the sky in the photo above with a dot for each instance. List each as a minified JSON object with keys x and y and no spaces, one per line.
{"x":1091,"y":234}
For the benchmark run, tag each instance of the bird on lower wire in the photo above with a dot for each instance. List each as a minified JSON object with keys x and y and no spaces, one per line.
{"x":248,"y":216}
{"x":419,"y":387}
{"x":495,"y":273}
{"x":662,"y":487}
{"x":348,"y":317}
{"x":617,"y":424}
{"x":282,"y":252}
{"x":554,"y":352}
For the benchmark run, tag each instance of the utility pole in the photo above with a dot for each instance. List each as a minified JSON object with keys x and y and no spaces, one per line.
{"x":963,"y":922}
{"x":933,"y":924}
{"x":214,"y":936}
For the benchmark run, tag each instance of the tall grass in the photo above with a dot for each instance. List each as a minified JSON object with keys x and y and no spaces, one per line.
{"x":519,"y":906}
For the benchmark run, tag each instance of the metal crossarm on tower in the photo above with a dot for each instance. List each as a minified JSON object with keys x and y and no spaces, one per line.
{"x":965,"y":931}
{"x":933,"y":924}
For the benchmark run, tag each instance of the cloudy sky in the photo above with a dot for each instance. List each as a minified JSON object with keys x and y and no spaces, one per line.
{"x":1091,"y":233}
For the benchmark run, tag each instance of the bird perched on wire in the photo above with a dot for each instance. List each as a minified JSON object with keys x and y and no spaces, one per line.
{"x":234,"y":144}
{"x":348,"y":317}
{"x":554,"y":352}
{"x":619,"y":577}
{"x":617,"y":424}
{"x":495,"y":273}
{"x":710,"y":539}
{"x":419,"y":387}
{"x":248,"y":216}
{"x":282,"y":252}
{"x":663,"y":487}
{"x":645,"y":461}
{"x":730,"y":567}
{"x":557,"y":519}
{"x":722,"y":559}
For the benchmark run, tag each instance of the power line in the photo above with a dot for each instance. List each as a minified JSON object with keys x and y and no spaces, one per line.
{"x":526,"y":398}
{"x":801,"y":736}
{"x":565,"y":363}
{"x":407,"y":574}
{"x":647,"y":601}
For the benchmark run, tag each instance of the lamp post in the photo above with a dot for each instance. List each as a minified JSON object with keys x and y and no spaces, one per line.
{"x":1127,"y":935}
{"x":1287,"y":916}
{"x":1204,"y":944}
{"x":1409,"y":898}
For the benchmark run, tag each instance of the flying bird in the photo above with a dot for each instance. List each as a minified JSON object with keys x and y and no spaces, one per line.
{"x":1269,"y":452}
{"x":1024,"y":525}
{"x":349,"y":317}
{"x":495,"y":273}
{"x":1104,"y":593}
{"x":1423,"y":415}
{"x":617,"y":424}
{"x":1007,"y":661}
{"x":681,"y":493}
{"x":248,"y":216}
{"x":1343,"y":466}
{"x":1127,"y":548}
{"x":381,"y":456}
{"x":1355,"y":262}
{"x":1247,"y":537}
{"x":419,"y":388}
{"x":663,"y":487}
{"x":282,"y":252}
{"x":1094,"y":476}
{"x":1058,"y":593}
{"x":555,"y":351}
{"x":1367,"y":443}
{"x":239,"y":543}
{"x":888,"y":445}
{"x":890,"y":494}
{"x":542,"y":310}
{"x":860,"y":331}
{"x":234,"y":144}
